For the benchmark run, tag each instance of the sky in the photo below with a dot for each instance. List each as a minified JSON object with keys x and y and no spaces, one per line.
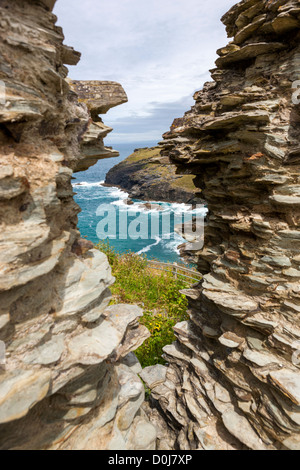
{"x":161,"y":52}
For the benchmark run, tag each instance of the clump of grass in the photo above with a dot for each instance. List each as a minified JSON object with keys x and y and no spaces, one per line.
{"x":156,"y":292}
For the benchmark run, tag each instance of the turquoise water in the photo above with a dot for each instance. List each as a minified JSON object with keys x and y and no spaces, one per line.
{"x":90,"y":195}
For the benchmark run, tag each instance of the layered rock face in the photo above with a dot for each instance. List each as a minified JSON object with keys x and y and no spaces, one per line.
{"x":148,"y":176}
{"x":233,"y":379}
{"x":68,"y":380}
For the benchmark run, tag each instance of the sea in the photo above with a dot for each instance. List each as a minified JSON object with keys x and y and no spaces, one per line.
{"x":106,"y":216}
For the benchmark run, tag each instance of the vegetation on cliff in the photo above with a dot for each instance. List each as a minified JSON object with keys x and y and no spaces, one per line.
{"x":148,"y":176}
{"x":158,"y":293}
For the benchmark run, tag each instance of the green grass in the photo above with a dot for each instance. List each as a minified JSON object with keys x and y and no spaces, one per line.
{"x":143,"y":154}
{"x":156,"y":292}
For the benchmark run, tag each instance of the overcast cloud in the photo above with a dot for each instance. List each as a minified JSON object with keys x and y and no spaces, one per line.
{"x":159,"y":50}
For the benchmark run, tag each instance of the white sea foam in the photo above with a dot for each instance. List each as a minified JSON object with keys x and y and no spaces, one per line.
{"x":148,"y":247}
{"x":174,"y":243}
{"x":181,"y":208}
{"x":178,"y":208}
{"x":117,"y":193}
{"x":86,"y":184}
{"x":121,"y":203}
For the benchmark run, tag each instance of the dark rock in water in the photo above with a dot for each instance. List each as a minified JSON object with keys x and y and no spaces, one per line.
{"x":129,"y":202}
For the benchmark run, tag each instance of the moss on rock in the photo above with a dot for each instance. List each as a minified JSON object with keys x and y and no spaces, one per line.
{"x":147,"y":175}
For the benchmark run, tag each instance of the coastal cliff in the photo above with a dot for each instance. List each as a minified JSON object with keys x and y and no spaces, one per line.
{"x":233,"y":380}
{"x":148,"y":176}
{"x":68,"y":379}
